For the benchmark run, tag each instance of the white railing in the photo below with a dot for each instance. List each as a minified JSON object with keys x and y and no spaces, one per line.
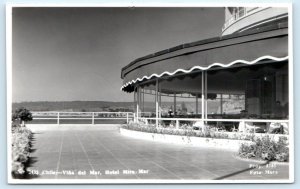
{"x":59,"y":116}
{"x":241,"y":13}
{"x":253,"y":128}
{"x":146,"y":114}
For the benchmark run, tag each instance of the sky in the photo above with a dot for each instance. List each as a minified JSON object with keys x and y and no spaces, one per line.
{"x":67,"y":54}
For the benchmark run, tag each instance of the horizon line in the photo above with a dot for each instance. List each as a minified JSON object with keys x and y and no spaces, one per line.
{"x":69,"y":101}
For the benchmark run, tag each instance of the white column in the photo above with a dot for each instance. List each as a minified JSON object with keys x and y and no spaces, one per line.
{"x":202,"y":97}
{"x":138,"y":102}
{"x":205,"y":90}
{"x":58,"y":118}
{"x":196,"y":104}
{"x":221,"y":104}
{"x":159,"y":102}
{"x":93,"y":118}
{"x":135,"y":104}
{"x":143,"y":100}
{"x":156,"y":102}
{"x":174,"y":111}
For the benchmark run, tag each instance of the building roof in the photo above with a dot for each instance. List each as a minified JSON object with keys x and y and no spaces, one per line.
{"x":269,"y":42}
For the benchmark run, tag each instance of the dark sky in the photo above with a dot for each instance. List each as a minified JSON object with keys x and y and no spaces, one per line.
{"x":78,"y":53}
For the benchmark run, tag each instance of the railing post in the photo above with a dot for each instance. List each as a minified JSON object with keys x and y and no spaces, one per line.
{"x":244,"y":126}
{"x":156,"y":103}
{"x":57,"y":118}
{"x":177,"y":124}
{"x":127,"y":121}
{"x":93,"y":118}
{"x":134,"y":118}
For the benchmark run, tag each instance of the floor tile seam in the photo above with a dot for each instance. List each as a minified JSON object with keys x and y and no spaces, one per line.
{"x":58,"y":161}
{"x":110,"y":152}
{"x":97,"y":151}
{"x":73,"y":159}
{"x":153,"y":162}
{"x":98,"y":142}
{"x":106,"y":149}
{"x":86,"y":155}
{"x":192,"y":165}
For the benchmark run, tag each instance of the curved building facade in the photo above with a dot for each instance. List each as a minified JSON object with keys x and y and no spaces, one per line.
{"x":240,"y":19}
{"x":232,"y":81}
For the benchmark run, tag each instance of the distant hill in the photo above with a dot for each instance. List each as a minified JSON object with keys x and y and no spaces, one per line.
{"x":98,"y":106}
{"x":75,"y":106}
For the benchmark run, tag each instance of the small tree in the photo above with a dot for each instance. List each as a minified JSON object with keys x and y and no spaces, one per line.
{"x":22,"y":114}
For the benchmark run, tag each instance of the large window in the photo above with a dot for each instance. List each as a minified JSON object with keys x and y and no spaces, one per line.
{"x":257,"y":91}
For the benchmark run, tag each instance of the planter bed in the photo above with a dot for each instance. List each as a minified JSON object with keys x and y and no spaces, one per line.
{"x":206,"y":142}
{"x":21,"y":145}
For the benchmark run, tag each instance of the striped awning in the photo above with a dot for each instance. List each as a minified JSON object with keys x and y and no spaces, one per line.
{"x":246,"y":48}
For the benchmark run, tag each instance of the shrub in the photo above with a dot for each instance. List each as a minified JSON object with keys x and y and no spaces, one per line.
{"x":185,"y":130}
{"x":189,"y":132}
{"x":22,"y":114}
{"x":267,"y":149}
{"x":260,"y":148}
{"x":247,"y":151}
{"x":20,"y":149}
{"x":168,"y":131}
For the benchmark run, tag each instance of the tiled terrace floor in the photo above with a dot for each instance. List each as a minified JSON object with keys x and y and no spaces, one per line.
{"x":68,"y":150}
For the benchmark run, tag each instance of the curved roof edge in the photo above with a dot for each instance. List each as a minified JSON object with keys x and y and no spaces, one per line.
{"x":155,"y":75}
{"x":203,"y":42}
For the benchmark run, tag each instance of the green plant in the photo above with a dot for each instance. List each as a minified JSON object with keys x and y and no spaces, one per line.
{"x":22,"y":114}
{"x":266,"y":148}
{"x":21,"y":145}
{"x":247,"y":151}
{"x":209,"y":132}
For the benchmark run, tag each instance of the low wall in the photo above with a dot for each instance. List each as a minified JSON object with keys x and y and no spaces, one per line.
{"x":226,"y":144}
